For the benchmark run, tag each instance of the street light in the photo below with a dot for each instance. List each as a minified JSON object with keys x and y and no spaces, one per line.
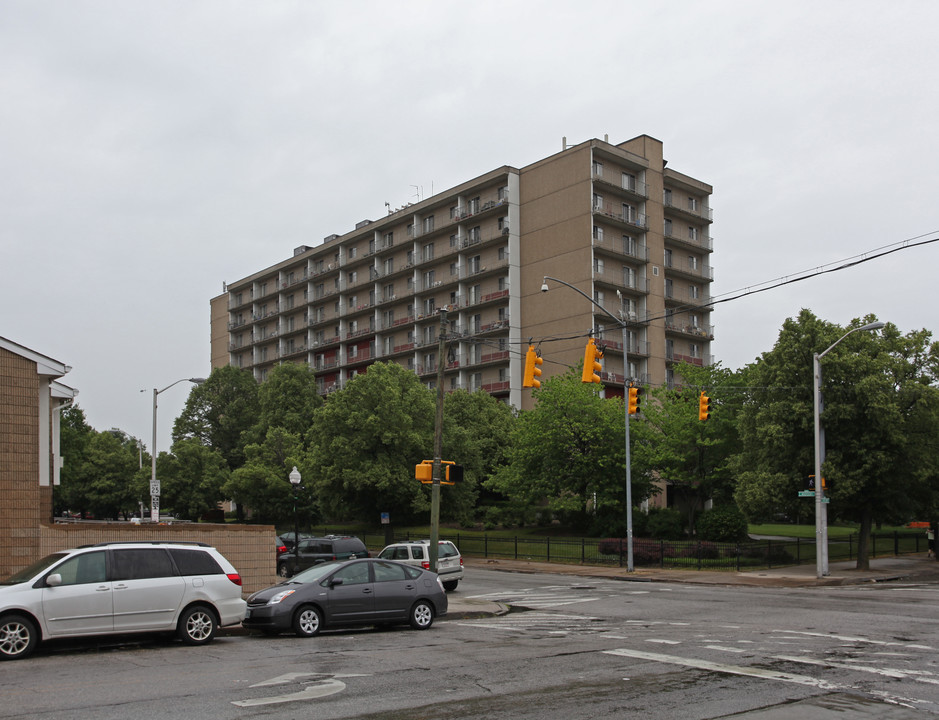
{"x":629,"y":488}
{"x":154,"y":483}
{"x":295,"y":481}
{"x":821,"y":510}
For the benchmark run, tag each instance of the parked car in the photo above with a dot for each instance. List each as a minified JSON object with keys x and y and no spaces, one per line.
{"x":449,"y":560}
{"x":316,"y":550}
{"x":352,"y":592}
{"x":286,"y":541}
{"x":119,"y":588}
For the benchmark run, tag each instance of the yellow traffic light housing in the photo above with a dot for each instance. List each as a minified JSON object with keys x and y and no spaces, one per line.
{"x":592,"y":366}
{"x":704,"y":407}
{"x":532,"y":370}
{"x":633,"y":400}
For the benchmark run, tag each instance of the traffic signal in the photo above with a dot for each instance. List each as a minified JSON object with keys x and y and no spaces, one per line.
{"x":532,"y":371}
{"x":592,"y":366}
{"x":704,"y":407}
{"x":454,"y":474}
{"x":633,"y":400}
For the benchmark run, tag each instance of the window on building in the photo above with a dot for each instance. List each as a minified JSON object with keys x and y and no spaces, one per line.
{"x":352,"y":277}
{"x":668,"y":257}
{"x":503,"y":193}
{"x":597,"y":169}
{"x":429,"y":224}
{"x":429,"y":277}
{"x":629,"y":181}
{"x":692,"y":233}
{"x":598,"y":266}
{"x":668,"y":196}
{"x":693,"y":204}
{"x":668,"y":288}
{"x":389,"y":239}
{"x":629,"y":213}
{"x":430,"y":306}
{"x":598,"y":233}
{"x":668,"y":227}
{"x":475,"y":234}
{"x":389,"y":266}
{"x":629,"y":245}
{"x":692,"y":262}
{"x":694,"y":291}
{"x":597,"y":202}
{"x":474,"y":265}
{"x":474,"y":205}
{"x":427,"y":252}
{"x":629,"y":277}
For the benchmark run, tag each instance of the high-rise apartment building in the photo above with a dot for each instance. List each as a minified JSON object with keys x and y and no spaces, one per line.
{"x":611,"y":220}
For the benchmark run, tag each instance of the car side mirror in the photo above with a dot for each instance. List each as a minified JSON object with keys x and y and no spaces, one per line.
{"x":54,"y":580}
{"x":334,"y":582}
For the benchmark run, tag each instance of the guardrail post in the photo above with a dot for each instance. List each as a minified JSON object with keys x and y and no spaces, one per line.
{"x":548,"y":548}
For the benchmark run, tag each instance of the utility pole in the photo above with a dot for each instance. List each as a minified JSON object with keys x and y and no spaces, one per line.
{"x":438,"y":447}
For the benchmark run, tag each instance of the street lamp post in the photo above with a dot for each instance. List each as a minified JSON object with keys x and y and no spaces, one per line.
{"x":154,"y":483}
{"x":821,"y":510}
{"x":629,"y":489}
{"x":295,"y":481}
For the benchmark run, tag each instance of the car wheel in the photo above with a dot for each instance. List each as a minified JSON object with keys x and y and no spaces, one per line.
{"x":450,"y":585}
{"x":422,"y":615}
{"x":308,"y":621}
{"x":197,"y":625}
{"x":18,"y":637}
{"x":283,"y":570}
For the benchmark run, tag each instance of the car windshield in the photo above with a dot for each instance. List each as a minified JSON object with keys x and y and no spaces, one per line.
{"x":33,"y":570}
{"x":313,"y":574}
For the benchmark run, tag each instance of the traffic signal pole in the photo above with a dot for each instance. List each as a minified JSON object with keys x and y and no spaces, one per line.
{"x":438,"y":447}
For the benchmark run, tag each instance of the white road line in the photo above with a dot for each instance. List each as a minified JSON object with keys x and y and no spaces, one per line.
{"x":722,"y":648}
{"x":917,"y":675}
{"x":731,"y":669}
{"x":850,"y":638}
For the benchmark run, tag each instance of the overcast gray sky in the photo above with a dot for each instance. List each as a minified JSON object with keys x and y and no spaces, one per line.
{"x":152,"y":150}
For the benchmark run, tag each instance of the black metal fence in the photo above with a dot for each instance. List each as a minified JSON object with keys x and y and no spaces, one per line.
{"x":691,"y":555}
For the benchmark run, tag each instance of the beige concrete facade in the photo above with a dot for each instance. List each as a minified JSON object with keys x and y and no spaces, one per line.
{"x":611,"y":220}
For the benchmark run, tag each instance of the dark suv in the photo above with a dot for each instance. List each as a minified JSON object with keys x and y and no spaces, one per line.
{"x":316,"y":550}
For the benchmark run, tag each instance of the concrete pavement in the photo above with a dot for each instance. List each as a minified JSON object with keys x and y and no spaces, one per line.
{"x":906,"y":568}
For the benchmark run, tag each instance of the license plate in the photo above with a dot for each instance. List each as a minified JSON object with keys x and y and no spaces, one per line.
{"x":247,"y":613}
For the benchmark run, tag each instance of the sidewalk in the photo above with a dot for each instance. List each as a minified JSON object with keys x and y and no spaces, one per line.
{"x":907,"y":568}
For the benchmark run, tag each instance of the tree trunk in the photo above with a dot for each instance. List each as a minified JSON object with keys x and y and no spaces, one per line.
{"x":864,"y":541}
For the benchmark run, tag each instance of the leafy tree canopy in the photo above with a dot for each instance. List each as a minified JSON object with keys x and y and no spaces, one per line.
{"x":365,"y":442}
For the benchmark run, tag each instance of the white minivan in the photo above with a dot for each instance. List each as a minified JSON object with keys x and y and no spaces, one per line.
{"x":117,"y":588}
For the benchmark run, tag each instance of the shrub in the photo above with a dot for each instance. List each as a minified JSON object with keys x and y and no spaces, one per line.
{"x":701,"y":551}
{"x":666,"y":524}
{"x":722,"y":524}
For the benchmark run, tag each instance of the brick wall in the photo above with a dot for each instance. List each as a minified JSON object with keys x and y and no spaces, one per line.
{"x":250,"y":548}
{"x":21,"y":506}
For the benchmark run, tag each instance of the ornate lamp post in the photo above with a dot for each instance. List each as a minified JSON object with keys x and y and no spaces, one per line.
{"x":295,"y":481}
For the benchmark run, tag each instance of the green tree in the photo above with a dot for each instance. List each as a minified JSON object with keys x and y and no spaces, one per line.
{"x":219,"y":412}
{"x":365,"y":443}
{"x":690,"y":455}
{"x":191,"y":478}
{"x":263,"y":482}
{"x":476,"y":434}
{"x":567,"y":454}
{"x":74,"y":442}
{"x":110,"y":473}
{"x":880,"y":422}
{"x":288,"y":398}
